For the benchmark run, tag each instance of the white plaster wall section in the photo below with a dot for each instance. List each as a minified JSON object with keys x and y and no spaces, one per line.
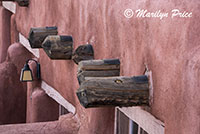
{"x":148,"y":73}
{"x":115,"y":121}
{"x":150,"y":77}
{"x":11,"y":6}
{"x":26,"y":44}
{"x":50,"y":91}
{"x":144,"y":119}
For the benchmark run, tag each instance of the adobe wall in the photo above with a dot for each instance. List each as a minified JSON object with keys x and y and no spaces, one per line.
{"x":67,"y":124}
{"x":168,"y":47}
{"x":5,"y":36}
{"x":12,"y":91}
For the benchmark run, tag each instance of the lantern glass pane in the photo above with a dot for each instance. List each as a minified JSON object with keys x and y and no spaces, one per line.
{"x":27,"y":75}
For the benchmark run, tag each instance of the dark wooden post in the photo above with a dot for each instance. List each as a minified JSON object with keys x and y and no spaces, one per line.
{"x":37,"y":35}
{"x":58,"y":47}
{"x":114,"y":91}
{"x":83,"y":52}
{"x":98,"y":68}
{"x":23,"y":3}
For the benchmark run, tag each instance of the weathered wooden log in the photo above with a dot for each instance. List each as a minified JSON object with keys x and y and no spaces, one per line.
{"x":114,"y":91}
{"x":83,"y":52}
{"x":37,"y":35}
{"x":98,"y":68}
{"x":23,"y":3}
{"x":58,"y":47}
{"x":84,"y":74}
{"x":99,"y":65}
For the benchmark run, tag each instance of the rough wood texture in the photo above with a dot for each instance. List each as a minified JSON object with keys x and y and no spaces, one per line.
{"x":114,"y":91}
{"x":83,"y":52}
{"x":58,"y":47}
{"x":99,"y":65}
{"x":109,"y":73}
{"x":98,"y":68}
{"x":23,"y":3}
{"x":37,"y":35}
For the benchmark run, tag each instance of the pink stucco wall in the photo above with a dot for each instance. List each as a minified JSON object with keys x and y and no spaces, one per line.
{"x":169,"y":47}
{"x":67,"y":124}
{"x":12,"y":91}
{"x":43,"y":107}
{"x":5,"y":35}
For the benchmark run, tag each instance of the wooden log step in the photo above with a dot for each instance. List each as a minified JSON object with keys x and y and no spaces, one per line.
{"x":98,"y":68}
{"x":83,"y":52}
{"x":99,"y":65}
{"x":84,"y":74}
{"x":114,"y":91}
{"x":37,"y":35}
{"x":58,"y":47}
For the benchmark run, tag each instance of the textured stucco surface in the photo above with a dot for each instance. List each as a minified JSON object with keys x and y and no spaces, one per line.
{"x":18,"y":55}
{"x":12,"y":96}
{"x":168,"y":47}
{"x":44,"y":108}
{"x":14,"y":35}
{"x":12,"y":91}
{"x":66,"y":124}
{"x":4,"y":33}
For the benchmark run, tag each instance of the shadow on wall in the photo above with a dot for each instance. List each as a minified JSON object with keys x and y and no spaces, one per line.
{"x":12,"y":91}
{"x":13,"y":99}
{"x":5,"y":32}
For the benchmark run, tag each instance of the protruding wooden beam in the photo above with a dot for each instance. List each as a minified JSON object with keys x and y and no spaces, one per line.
{"x":114,"y":91}
{"x":37,"y":35}
{"x":7,"y":0}
{"x":98,"y":68}
{"x":83,"y":52}
{"x":99,"y":65}
{"x":58,"y":47}
{"x":23,"y":3}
